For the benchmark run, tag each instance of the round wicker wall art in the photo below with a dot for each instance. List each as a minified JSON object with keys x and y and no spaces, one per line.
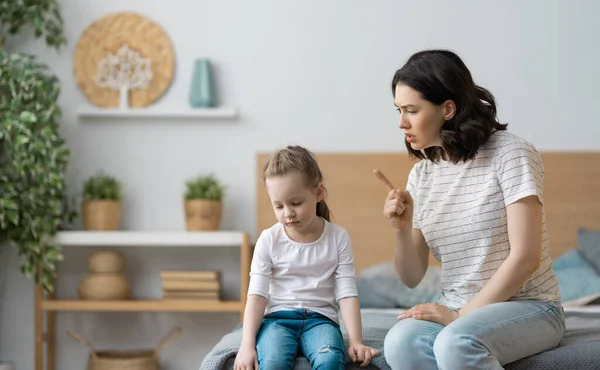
{"x":106,"y":37}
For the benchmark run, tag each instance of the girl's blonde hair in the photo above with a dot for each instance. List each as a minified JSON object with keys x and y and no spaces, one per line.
{"x":300,"y":160}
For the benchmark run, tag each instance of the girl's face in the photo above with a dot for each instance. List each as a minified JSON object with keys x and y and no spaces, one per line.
{"x":420,"y":119}
{"x":294,"y":204}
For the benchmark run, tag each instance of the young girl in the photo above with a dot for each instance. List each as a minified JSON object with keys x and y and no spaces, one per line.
{"x":475,"y":200}
{"x":300,"y":266}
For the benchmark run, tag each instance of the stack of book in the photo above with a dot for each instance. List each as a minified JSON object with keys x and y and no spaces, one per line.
{"x":203,"y":285}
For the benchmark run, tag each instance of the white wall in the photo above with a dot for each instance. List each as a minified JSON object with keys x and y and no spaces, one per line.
{"x":316,"y":73}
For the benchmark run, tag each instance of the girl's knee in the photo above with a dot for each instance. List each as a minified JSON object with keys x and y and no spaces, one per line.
{"x":274,"y":363}
{"x":328,"y":358}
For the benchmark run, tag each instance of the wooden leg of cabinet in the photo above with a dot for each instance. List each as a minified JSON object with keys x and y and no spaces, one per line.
{"x":39,"y":329}
{"x":51,"y":339}
{"x":245,"y":259}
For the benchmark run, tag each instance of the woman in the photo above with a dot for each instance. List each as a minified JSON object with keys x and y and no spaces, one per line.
{"x":476,"y":201}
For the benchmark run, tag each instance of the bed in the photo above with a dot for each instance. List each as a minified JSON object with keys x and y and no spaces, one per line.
{"x":572,"y":204}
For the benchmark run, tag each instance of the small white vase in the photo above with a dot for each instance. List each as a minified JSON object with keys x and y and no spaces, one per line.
{"x":7,"y":366}
{"x":123,"y":102}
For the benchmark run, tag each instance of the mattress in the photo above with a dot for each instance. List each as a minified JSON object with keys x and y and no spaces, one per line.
{"x":580,"y":348}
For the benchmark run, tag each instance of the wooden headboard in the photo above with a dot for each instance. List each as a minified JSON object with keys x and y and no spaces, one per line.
{"x":355,"y":196}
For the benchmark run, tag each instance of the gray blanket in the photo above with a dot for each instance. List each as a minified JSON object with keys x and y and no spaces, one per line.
{"x":580,"y":348}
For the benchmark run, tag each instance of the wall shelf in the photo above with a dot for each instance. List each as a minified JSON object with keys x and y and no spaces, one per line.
{"x":158,"y":305}
{"x":148,"y":238}
{"x":88,"y":111}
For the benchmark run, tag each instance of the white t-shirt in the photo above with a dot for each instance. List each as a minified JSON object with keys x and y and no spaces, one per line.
{"x":292,"y":275}
{"x":461,"y":211}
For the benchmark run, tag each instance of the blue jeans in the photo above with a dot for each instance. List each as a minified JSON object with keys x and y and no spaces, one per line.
{"x":285,"y":334}
{"x":486,"y":338}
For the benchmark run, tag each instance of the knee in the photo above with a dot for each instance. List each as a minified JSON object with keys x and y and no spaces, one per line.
{"x":403,"y":348}
{"x":274,"y":363}
{"x":451,"y":348}
{"x":328,"y":358}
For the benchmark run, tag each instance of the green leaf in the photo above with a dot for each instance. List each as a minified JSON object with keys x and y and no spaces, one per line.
{"x":13,"y":217}
{"x":28,"y":117}
{"x":22,"y":140}
{"x":53,"y":254}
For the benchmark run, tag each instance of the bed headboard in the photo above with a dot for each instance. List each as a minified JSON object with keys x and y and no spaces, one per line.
{"x":355,"y":196}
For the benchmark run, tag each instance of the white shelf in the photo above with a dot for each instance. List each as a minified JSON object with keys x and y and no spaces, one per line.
{"x":88,"y":111}
{"x":149,"y":238}
{"x":181,"y":305}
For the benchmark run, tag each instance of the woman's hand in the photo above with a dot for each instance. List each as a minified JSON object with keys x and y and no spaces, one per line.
{"x":246,"y":359}
{"x":398,"y":209}
{"x":431,"y":312}
{"x":358,"y":352}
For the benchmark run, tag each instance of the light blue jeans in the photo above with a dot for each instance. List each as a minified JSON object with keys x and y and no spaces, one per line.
{"x":285,"y":334}
{"x":487,"y":338}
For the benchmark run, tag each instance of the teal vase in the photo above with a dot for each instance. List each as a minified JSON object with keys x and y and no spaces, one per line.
{"x":202,"y":92}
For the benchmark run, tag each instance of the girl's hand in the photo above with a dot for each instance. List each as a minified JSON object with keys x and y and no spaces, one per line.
{"x":246,"y":359}
{"x":358,"y":352}
{"x":398,"y":209}
{"x":431,"y":312}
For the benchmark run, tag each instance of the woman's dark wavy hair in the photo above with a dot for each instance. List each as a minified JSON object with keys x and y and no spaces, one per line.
{"x":440,"y":75}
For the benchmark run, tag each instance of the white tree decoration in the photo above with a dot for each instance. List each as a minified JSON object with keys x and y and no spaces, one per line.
{"x":124,"y":71}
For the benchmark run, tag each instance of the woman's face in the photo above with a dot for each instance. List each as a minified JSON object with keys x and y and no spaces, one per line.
{"x":420,"y":119}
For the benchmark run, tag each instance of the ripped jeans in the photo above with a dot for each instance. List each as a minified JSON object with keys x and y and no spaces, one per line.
{"x":285,"y":334}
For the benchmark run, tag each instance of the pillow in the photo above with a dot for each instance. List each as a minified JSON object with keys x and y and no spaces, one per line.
{"x":578,"y":282}
{"x":589,"y":245}
{"x":380,"y":287}
{"x":570,"y":260}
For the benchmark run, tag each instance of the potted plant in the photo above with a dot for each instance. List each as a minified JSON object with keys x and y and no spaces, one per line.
{"x":33,"y":154}
{"x":101,"y":206}
{"x":203,"y":203}
{"x":43,"y":16}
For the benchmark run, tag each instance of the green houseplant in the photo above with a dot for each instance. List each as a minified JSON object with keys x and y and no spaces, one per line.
{"x":41,"y":15}
{"x":203,"y":203}
{"x":33,"y":155}
{"x":101,"y":206}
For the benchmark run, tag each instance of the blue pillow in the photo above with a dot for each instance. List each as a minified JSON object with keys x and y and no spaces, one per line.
{"x":588,"y":243}
{"x":380,"y":287}
{"x":576,"y":278}
{"x":571,"y":259}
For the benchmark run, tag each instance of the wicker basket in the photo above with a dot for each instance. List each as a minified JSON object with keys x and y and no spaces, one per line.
{"x":203,"y":215}
{"x":126,"y":360}
{"x":101,"y":215}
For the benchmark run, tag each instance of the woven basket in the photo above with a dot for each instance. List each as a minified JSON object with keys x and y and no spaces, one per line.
{"x":126,"y":360}
{"x":203,"y":215}
{"x":101,"y":215}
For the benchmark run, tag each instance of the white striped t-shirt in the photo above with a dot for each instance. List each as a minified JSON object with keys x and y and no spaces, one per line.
{"x":461,"y":211}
